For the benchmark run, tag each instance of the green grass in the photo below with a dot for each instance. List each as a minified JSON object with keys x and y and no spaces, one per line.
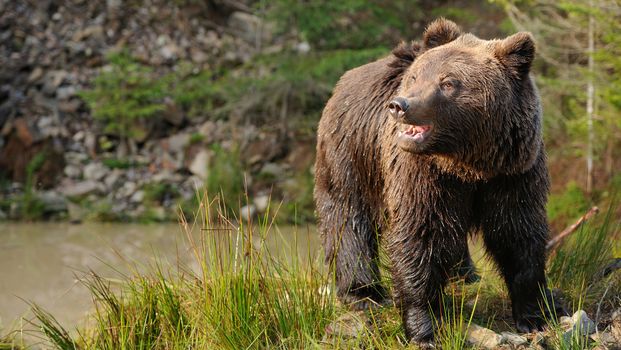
{"x":243,"y":294}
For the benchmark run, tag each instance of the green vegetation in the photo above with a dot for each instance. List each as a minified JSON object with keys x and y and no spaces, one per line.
{"x":578,"y":265}
{"x":298,"y":205}
{"x":29,"y":206}
{"x":226,"y":177}
{"x":125,"y":94}
{"x":568,"y":205}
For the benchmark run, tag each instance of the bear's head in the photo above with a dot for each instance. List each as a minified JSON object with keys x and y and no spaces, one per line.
{"x":470,"y":103}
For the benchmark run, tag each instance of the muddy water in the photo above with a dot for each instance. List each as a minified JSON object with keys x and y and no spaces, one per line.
{"x":42,"y":262}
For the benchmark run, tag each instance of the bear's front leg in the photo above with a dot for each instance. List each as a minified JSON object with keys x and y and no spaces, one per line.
{"x":513,"y":220}
{"x":423,"y":255}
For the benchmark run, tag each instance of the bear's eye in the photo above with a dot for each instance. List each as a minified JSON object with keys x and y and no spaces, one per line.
{"x":447,"y":85}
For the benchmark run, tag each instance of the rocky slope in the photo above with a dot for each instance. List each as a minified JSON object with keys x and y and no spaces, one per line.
{"x":56,"y":160}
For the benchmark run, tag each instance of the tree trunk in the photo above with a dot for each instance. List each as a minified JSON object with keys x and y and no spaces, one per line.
{"x":589,"y":107}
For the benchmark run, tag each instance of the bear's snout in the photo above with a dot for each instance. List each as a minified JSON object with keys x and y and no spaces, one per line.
{"x":398,"y":107}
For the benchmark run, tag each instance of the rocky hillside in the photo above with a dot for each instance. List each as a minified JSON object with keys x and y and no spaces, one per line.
{"x":56,"y":160}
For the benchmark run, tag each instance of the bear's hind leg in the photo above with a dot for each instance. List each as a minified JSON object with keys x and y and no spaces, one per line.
{"x":350,"y":240}
{"x":513,"y":220}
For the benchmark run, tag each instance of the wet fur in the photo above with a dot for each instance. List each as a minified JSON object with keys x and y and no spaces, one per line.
{"x":423,"y":206}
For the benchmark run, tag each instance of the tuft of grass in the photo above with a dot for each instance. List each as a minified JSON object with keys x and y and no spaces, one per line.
{"x":226,"y":177}
{"x":576,"y":267}
{"x":455,"y":318}
{"x":238,"y":295}
{"x":563,"y":337}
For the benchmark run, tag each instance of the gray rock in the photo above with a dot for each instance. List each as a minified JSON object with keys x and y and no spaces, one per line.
{"x":272,"y":169}
{"x":482,"y":337}
{"x":513,"y":339}
{"x":349,"y":325}
{"x":72,"y":171}
{"x":113,"y":5}
{"x":566,"y":322}
{"x":112,"y":180}
{"x":199,"y":164}
{"x":95,"y":171}
{"x":65,"y":92}
{"x":53,"y":202}
{"x":261,"y":202}
{"x":605,"y":338}
{"x":95,"y":30}
{"x":178,"y":142}
{"x":166,"y":176}
{"x":582,"y":323}
{"x":35,"y":75}
{"x":52,"y":81}
{"x":210,"y":131}
{"x":3,"y":215}
{"x":303,"y":47}
{"x":83,"y":188}
{"x":137,"y":197}
{"x":247,"y":212}
{"x":128,"y":189}
{"x":249,"y":27}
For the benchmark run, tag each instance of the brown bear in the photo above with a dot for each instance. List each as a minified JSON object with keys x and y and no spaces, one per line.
{"x":418,"y":149}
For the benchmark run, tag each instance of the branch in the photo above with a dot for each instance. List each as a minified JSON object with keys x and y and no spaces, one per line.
{"x":571,"y":229}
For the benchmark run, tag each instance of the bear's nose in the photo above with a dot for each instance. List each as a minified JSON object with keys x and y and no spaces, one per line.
{"x":398,"y":106}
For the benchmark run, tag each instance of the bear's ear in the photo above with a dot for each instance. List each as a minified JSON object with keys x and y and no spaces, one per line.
{"x":517,"y":53}
{"x":440,"y":32}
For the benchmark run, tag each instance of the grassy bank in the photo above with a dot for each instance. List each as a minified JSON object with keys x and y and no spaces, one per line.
{"x":247,"y":288}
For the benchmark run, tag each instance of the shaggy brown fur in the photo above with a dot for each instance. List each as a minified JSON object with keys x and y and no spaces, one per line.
{"x":478,"y":165}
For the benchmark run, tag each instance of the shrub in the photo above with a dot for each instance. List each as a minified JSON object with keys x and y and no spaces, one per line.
{"x":124,"y":93}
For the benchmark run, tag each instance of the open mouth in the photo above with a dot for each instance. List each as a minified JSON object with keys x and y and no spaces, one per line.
{"x":416,"y":133}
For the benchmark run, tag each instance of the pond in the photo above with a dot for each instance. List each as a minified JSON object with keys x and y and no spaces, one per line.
{"x":43,"y":262}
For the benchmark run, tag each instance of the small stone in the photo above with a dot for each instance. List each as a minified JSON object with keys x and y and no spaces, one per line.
{"x":72,"y":171}
{"x":199,"y":164}
{"x":513,"y":339}
{"x":483,"y":337}
{"x":112,"y":180}
{"x":248,"y":27}
{"x":248,"y":212}
{"x":137,"y":197}
{"x":566,"y":321}
{"x":539,"y":339}
{"x":70,"y":106}
{"x":82,"y":188}
{"x":65,"y":92}
{"x":604,"y":338}
{"x":35,"y":75}
{"x":95,"y":171}
{"x":273,"y":170}
{"x":261,"y":202}
{"x":3,"y":215}
{"x":208,"y":129}
{"x":348,"y":325}
{"x":582,"y":323}
{"x":303,"y":47}
{"x":53,"y":202}
{"x":178,"y":142}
